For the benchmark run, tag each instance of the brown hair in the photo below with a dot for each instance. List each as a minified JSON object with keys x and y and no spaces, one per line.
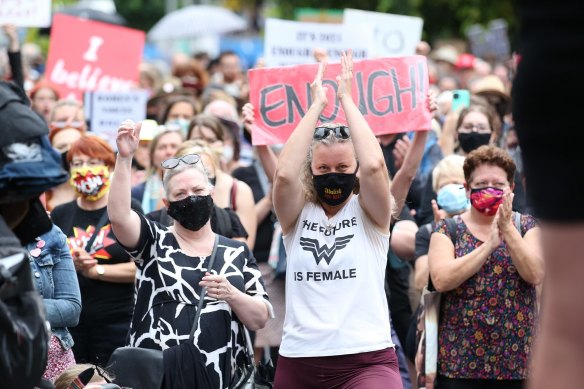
{"x":486,"y":110}
{"x":94,"y":147}
{"x":211,"y":122}
{"x":171,"y":102}
{"x":488,"y":155}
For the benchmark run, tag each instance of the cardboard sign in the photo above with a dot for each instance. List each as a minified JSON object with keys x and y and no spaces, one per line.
{"x":25,"y":13}
{"x":394,"y":35}
{"x":85,"y":55}
{"x":390,"y":92}
{"x":291,"y":43}
{"x":106,"y":110}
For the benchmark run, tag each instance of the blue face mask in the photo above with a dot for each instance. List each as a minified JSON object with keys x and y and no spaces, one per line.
{"x":452,"y":198}
{"x":179,"y":124}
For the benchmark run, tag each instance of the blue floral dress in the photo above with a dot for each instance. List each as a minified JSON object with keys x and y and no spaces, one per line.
{"x":487,"y":324}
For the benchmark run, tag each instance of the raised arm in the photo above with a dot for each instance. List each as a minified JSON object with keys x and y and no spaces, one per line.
{"x":124,"y":221}
{"x":525,"y":251}
{"x":287,"y":190}
{"x":405,"y":175}
{"x":373,"y":178}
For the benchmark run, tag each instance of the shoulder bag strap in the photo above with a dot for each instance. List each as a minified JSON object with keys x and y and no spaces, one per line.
{"x":100,"y":224}
{"x":203,"y":292}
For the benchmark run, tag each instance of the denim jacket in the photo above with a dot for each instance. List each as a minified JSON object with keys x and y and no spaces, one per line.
{"x":55,"y":279}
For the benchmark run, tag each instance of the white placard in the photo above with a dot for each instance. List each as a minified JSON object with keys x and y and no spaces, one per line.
{"x":106,"y":110}
{"x":292,"y":43}
{"x":394,"y":35}
{"x":25,"y":13}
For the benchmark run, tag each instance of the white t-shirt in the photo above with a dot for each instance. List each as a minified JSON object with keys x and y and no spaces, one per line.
{"x":335,"y":298}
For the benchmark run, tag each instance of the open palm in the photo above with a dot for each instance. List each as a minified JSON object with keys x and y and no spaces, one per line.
{"x":128,"y":138}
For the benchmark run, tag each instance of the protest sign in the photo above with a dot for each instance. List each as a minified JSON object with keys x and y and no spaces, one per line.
{"x":393,"y":35}
{"x":491,"y":44}
{"x":390,"y":92}
{"x":106,"y":110}
{"x":25,"y":13}
{"x":87,"y":55}
{"x":291,"y":43}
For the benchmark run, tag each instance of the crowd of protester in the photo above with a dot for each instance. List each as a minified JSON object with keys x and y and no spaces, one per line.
{"x":467,"y":166}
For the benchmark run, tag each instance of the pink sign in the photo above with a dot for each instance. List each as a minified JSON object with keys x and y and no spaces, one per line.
{"x":85,"y":55}
{"x":390,"y":92}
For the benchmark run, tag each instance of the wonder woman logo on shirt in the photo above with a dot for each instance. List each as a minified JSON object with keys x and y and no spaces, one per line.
{"x":324,"y":252}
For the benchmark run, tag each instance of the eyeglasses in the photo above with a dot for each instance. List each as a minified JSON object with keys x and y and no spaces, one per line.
{"x":91,"y":163}
{"x":341,"y":132}
{"x":189,"y":159}
{"x":468,"y":127}
{"x":87,"y":374}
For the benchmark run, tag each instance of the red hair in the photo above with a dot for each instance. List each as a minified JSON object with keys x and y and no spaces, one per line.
{"x":55,"y":130}
{"x":94,"y":147}
{"x":44,"y":84}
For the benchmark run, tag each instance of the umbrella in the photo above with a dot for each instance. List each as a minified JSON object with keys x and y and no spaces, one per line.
{"x":195,"y":21}
{"x":93,"y":14}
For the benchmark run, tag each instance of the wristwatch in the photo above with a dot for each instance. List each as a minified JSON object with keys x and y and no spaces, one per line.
{"x":100,"y":270}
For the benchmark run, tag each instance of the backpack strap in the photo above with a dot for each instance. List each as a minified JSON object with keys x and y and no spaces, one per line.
{"x":224,"y":226}
{"x":452,"y":227}
{"x":517,"y":220}
{"x":102,"y":222}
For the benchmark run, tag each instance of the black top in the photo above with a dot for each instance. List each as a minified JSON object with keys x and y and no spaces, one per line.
{"x":423,"y":240}
{"x":265,"y":230}
{"x":102,"y":302}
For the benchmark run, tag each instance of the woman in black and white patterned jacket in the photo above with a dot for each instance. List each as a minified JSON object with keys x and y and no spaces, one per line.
{"x":172,"y":267}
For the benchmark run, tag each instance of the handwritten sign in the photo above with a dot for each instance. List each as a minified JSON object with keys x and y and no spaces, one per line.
{"x":87,"y":55}
{"x":106,"y":110}
{"x":393,"y":35}
{"x":390,"y":92}
{"x":25,"y":13}
{"x":291,"y":43}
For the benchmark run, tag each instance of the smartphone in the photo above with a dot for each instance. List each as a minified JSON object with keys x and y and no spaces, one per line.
{"x":460,"y":99}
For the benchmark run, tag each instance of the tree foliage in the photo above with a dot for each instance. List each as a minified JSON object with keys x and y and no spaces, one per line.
{"x":141,"y":14}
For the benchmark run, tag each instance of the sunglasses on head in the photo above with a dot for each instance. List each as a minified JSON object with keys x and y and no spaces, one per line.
{"x":341,"y":132}
{"x":189,"y":159}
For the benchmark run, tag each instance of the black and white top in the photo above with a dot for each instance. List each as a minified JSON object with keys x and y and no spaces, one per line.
{"x":167,"y":286}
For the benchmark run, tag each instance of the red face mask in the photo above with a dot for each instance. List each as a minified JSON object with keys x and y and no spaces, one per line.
{"x":486,"y":200}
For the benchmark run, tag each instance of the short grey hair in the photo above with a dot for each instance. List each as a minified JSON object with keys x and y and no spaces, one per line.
{"x":170,"y":173}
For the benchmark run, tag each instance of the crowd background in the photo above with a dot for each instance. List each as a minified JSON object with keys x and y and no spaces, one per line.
{"x":197,"y":102}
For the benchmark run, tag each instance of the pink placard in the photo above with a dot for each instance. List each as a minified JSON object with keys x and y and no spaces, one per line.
{"x":85,"y":55}
{"x":390,"y":92}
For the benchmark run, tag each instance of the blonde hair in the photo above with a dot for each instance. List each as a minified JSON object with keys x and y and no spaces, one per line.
{"x":69,"y":375}
{"x":450,"y":166}
{"x":306,"y":174}
{"x":196,"y":146}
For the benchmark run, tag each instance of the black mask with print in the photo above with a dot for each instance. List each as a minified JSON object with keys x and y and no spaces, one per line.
{"x":472,"y":141}
{"x":192,"y":212}
{"x":334,"y":188}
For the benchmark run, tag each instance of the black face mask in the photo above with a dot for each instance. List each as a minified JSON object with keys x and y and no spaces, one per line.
{"x":334,"y":188}
{"x":472,"y":141}
{"x":192,"y":212}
